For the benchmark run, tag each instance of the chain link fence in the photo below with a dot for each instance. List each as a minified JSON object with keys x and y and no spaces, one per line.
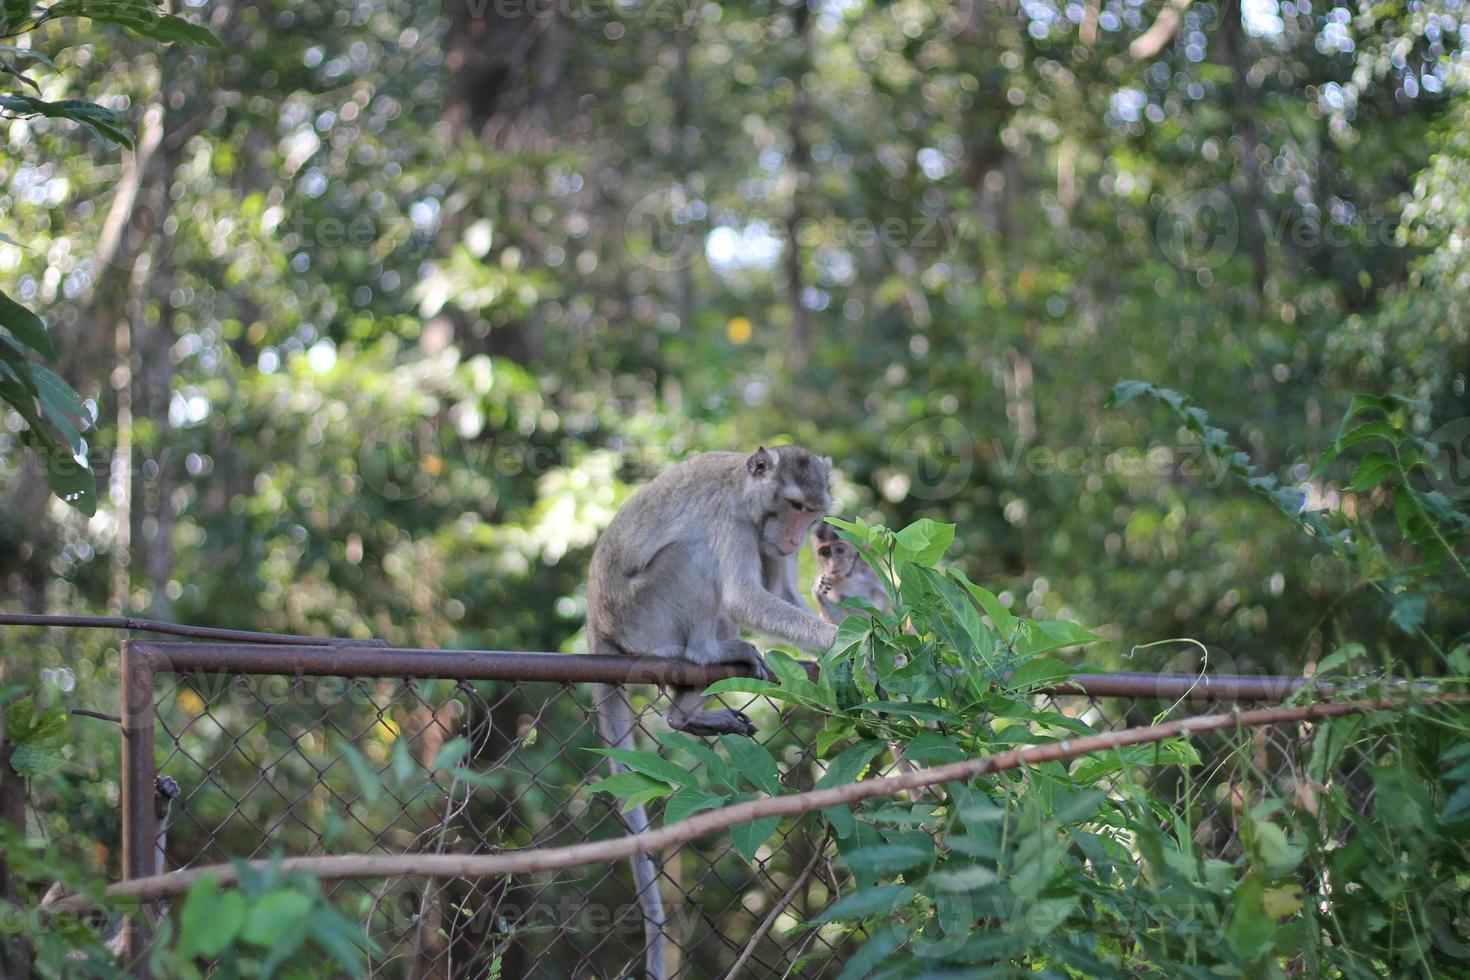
{"x":303,"y":750}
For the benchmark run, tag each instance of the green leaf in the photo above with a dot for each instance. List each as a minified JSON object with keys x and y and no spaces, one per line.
{"x":748,"y":685}
{"x":911,"y":709}
{"x":753,"y":762}
{"x":1367,"y":432}
{"x":171,"y":28}
{"x":867,"y":902}
{"x":1457,"y":807}
{"x":850,"y":763}
{"x":105,"y":123}
{"x":30,"y":761}
{"x":1373,"y":470}
{"x":16,"y":12}
{"x":272,"y":915}
{"x":748,"y":837}
{"x":1043,"y":635}
{"x":1002,"y":618}
{"x":955,"y":606}
{"x":888,"y":859}
{"x":137,"y":17}
{"x":26,"y":327}
{"x":1339,"y":657}
{"x":25,"y":54}
{"x":867,"y":957}
{"x":1078,"y":807}
{"x":1125,"y":391}
{"x":403,"y":761}
{"x":923,"y":542}
{"x":210,"y":919}
{"x":452,"y":753}
{"x":16,"y":370}
{"x":7,"y":69}
{"x":630,"y":786}
{"x":343,"y":940}
{"x":1039,"y":672}
{"x":59,"y":396}
{"x":1251,"y":931}
{"x":18,"y":715}
{"x":960,"y":879}
{"x":368,"y":780}
{"x":653,"y":765}
{"x":689,"y":801}
{"x":1387,"y":404}
{"x":789,"y":671}
{"x":719,"y":770}
{"x":1272,"y":847}
{"x":932,"y":748}
{"x":1407,"y":612}
{"x":858,"y":532}
{"x":73,"y":483}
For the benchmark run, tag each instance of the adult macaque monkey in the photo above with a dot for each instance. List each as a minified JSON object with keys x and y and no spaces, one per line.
{"x":844,"y":574}
{"x":689,"y":554}
{"x":705,"y":549}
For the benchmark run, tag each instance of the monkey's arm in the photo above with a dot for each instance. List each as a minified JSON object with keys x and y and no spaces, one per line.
{"x":783,"y":585}
{"x":754,"y":608}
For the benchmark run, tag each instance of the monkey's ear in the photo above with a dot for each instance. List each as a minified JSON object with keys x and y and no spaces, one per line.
{"x":760,"y":463}
{"x":826,"y":463}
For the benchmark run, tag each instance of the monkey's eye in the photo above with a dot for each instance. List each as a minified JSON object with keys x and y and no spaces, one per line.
{"x":824,"y":552}
{"x":796,"y":505}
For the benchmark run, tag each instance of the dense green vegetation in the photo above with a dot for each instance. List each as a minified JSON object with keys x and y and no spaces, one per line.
{"x":375,"y":312}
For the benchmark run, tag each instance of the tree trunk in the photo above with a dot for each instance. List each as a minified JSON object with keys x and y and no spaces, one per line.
{"x":1243,"y":108}
{"x":799,"y":342}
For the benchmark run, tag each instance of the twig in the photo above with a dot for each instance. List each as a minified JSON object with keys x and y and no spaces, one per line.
{"x":528,"y":860}
{"x":776,"y":910}
{"x":1160,"y":33}
{"x":100,"y":715}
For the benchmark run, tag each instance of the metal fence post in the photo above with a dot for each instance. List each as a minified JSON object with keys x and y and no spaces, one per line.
{"x":138,"y":775}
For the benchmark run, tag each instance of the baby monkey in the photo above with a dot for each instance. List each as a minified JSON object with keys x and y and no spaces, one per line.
{"x":844,"y":574}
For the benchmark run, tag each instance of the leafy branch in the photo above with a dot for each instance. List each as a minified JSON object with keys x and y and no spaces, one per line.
{"x":54,"y":415}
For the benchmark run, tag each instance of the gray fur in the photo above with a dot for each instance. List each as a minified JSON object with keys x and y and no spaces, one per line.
{"x":706,"y":548}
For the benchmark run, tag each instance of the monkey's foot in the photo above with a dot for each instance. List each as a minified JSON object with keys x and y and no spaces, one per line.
{"x":726,"y":721}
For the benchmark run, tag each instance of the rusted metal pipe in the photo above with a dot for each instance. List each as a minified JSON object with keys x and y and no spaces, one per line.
{"x":174,"y":629}
{"x":1192,"y":687}
{"x":346,"y":660}
{"x":473,"y":665}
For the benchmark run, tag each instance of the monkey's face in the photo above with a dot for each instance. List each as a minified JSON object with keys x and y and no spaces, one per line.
{"x":836,"y":557}
{"x":794,"y":485}
{"x":794,"y":519}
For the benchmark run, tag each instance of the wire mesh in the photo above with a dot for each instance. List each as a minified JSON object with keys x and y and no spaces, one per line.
{"x":272,"y":763}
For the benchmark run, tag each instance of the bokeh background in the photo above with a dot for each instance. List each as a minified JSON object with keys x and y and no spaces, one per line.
{"x":397,"y":301}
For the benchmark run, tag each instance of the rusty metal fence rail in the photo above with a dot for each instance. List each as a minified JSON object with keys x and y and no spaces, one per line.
{"x":303,"y":749}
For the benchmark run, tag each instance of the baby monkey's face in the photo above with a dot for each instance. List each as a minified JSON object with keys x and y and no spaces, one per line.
{"x":836,"y":556}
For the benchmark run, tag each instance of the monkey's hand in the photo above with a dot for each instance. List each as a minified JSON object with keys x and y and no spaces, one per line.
{"x":758,"y":667}
{"x":823,"y":587}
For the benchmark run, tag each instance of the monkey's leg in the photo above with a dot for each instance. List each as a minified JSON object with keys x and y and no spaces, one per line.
{"x":687,"y":714}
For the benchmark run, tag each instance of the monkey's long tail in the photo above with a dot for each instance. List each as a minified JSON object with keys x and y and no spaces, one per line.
{"x":615,"y":722}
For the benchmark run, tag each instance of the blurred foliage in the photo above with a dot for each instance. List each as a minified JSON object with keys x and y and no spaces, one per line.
{"x":391,"y":327}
